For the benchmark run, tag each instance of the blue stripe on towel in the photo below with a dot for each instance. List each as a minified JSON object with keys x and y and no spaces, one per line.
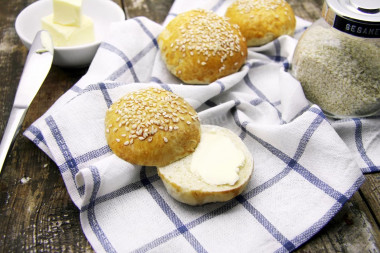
{"x":217,"y":6}
{"x":128,"y":65}
{"x":38,"y":135}
{"x":155,"y":80}
{"x":84,"y":158}
{"x":222,"y":86}
{"x":360,"y":147}
{"x":277,"y":47}
{"x":106,"y":95}
{"x":261,"y":95}
{"x":120,"y":192}
{"x":61,"y":143}
{"x":147,"y":31}
{"x":91,"y":216}
{"x":266,"y":224}
{"x":165,"y":87}
{"x":182,"y":229}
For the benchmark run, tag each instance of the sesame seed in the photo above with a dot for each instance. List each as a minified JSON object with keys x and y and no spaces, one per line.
{"x":166,"y":140}
{"x":244,"y":6}
{"x":217,"y":37}
{"x":139,"y":132}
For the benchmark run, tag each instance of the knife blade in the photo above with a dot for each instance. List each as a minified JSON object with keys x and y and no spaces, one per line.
{"x":37,"y":66}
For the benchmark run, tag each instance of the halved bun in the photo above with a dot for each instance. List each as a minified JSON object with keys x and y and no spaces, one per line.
{"x":187,"y":186}
{"x":200,"y":47}
{"x":262,"y":21}
{"x":152,"y":127}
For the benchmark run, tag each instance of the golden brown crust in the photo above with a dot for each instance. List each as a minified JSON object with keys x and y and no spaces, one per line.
{"x":200,"y":47}
{"x":152,"y":127}
{"x":262,"y":21}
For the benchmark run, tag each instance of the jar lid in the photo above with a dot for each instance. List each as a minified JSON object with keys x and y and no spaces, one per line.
{"x":356,"y":17}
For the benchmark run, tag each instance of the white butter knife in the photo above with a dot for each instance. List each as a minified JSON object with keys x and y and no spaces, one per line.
{"x":37,"y":66}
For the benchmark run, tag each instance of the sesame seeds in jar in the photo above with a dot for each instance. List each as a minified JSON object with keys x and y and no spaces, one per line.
{"x":337,"y":62}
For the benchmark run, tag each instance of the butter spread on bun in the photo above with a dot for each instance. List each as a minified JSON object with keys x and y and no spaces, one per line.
{"x":152,"y":127}
{"x":199,"y":47}
{"x":218,"y":170}
{"x":217,"y":159}
{"x":262,"y":21}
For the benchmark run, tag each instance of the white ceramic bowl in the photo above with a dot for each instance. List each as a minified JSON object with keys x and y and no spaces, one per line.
{"x":102,"y":12}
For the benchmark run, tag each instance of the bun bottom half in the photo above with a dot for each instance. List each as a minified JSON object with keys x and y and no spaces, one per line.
{"x":188,"y":187}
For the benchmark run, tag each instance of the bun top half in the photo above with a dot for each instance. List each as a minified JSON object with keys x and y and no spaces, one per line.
{"x":262,"y":21}
{"x":200,"y":47}
{"x":152,"y":127}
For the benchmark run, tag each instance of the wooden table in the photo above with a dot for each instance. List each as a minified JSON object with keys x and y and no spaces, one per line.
{"x":39,"y":216}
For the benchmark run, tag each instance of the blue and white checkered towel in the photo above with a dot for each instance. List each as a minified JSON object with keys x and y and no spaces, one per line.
{"x":306,"y":167}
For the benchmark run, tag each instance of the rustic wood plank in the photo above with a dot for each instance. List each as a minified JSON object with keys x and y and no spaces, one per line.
{"x":370,"y":192}
{"x":307,"y":9}
{"x":155,"y":10}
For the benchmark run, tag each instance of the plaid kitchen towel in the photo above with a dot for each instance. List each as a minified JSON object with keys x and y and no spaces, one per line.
{"x":305,"y":166}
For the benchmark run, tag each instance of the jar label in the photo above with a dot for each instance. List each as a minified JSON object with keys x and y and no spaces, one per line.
{"x":356,"y":28}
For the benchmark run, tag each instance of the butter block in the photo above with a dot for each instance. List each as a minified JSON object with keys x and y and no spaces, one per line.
{"x":69,"y":35}
{"x":67,"y":12}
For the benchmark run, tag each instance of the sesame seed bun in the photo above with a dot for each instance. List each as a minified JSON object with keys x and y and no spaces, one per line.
{"x":188,"y":187}
{"x":152,"y":127}
{"x":200,"y":47}
{"x":262,"y":21}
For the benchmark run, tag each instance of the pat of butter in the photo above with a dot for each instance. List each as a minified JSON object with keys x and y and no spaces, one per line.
{"x":69,"y":35}
{"x":217,"y":159}
{"x":67,"y":12}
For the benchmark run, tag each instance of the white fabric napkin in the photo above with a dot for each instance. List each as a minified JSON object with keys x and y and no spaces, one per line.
{"x":305,"y":166}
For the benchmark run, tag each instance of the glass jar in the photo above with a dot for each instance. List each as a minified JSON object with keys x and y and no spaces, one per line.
{"x":337,"y":59}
